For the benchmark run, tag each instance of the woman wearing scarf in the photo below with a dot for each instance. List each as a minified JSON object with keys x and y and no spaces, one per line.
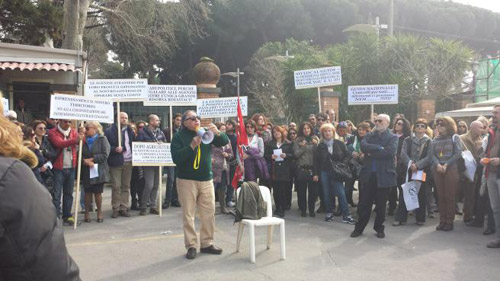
{"x":95,"y":152}
{"x":354,"y":146}
{"x":303,"y":149}
{"x":331,"y":150}
{"x":402,"y":129}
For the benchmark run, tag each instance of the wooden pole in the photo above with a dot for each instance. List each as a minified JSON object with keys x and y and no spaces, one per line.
{"x":78,"y":173}
{"x":160,"y":176}
{"x":171,"y":125}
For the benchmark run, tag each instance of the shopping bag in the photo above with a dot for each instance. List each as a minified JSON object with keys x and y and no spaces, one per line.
{"x":470,"y":165}
{"x":410,"y":193}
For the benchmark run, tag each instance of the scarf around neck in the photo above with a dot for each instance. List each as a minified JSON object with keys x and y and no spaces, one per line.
{"x":90,"y":140}
{"x":64,"y":132}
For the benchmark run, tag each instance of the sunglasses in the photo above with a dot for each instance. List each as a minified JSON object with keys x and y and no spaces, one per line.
{"x":420,"y":126}
{"x":439,"y":123}
{"x":193,"y":118}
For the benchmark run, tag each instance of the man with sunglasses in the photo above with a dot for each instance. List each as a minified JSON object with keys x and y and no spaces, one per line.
{"x":64,"y":139}
{"x":377,"y":175}
{"x":194,"y":182}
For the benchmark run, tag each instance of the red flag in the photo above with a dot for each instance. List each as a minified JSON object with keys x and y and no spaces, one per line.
{"x":242,"y":140}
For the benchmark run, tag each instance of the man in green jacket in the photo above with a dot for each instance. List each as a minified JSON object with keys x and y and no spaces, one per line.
{"x":194,"y":182}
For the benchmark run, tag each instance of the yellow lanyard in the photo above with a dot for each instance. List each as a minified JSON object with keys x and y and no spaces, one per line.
{"x":197,"y":159}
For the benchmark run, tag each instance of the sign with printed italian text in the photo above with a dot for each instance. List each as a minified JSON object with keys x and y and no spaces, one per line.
{"x":171,"y":95}
{"x":117,"y":89}
{"x":372,"y":94}
{"x":221,"y":107}
{"x":318,"y":77}
{"x":72,"y":107}
{"x":151,"y":154}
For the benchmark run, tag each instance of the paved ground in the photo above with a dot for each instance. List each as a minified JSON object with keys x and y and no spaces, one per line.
{"x":151,"y":248}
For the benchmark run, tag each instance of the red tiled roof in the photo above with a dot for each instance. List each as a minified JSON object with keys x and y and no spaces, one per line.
{"x":37,"y":66}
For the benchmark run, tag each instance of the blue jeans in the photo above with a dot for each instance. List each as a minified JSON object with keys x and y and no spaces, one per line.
{"x":64,"y":180}
{"x":332,"y":188}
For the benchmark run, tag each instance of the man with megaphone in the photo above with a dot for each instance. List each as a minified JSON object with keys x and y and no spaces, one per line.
{"x":191,"y":153}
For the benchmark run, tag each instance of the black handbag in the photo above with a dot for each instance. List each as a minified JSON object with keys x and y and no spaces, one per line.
{"x":341,"y":170}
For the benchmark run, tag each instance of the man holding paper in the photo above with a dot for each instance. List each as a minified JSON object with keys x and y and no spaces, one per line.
{"x":415,"y":151}
{"x":194,"y":182}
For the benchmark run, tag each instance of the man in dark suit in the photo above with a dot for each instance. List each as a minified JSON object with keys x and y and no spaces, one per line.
{"x":377,"y":175}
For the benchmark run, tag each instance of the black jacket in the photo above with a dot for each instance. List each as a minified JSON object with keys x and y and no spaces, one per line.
{"x":32,"y":244}
{"x":147,"y":135}
{"x":280,"y":170}
{"x":115,"y":159}
{"x":322,"y":157}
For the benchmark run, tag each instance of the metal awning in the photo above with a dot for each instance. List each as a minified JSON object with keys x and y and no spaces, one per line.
{"x":490,"y":102}
{"x":12,"y":65}
{"x":467,"y":112}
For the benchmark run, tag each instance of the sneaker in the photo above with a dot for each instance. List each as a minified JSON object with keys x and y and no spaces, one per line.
{"x":230,"y":204}
{"x":329,"y":217}
{"x":349,"y":220}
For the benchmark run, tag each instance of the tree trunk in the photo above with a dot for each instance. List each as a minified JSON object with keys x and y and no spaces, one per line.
{"x":75,"y":17}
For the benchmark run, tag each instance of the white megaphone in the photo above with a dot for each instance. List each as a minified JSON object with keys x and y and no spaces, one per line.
{"x":206,"y":136}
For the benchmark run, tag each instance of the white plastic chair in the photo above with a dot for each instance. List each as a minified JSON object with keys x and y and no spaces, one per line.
{"x":268,"y":221}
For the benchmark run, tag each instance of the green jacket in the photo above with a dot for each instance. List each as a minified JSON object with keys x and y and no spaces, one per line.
{"x":250,"y":204}
{"x":183,"y":155}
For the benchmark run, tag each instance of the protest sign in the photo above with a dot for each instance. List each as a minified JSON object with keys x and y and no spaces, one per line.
{"x":151,"y":154}
{"x":5,"y":103}
{"x":171,"y":95}
{"x":221,"y":107}
{"x":318,"y":77}
{"x":71,"y":107}
{"x":117,"y":89}
{"x":373,"y":94}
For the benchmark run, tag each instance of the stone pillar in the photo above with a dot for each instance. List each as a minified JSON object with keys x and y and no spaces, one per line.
{"x":330,"y":100}
{"x":206,"y":76}
{"x":426,"y":108}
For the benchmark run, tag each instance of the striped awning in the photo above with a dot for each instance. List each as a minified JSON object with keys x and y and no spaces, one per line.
{"x":12,"y":65}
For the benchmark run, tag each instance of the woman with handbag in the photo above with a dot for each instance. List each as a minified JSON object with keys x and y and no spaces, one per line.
{"x":446,"y":151}
{"x":279,"y":153}
{"x":303,"y":150}
{"x":416,"y":149}
{"x":331,"y":161}
{"x":356,"y":162}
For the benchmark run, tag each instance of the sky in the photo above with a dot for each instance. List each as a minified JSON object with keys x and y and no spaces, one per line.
{"x":493,"y":5}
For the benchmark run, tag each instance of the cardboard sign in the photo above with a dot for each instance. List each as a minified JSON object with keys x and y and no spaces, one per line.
{"x":151,"y":154}
{"x":221,"y":107}
{"x":71,"y":107}
{"x":117,"y":89}
{"x":171,"y":95}
{"x":373,"y":94}
{"x":5,"y":103}
{"x":318,"y":77}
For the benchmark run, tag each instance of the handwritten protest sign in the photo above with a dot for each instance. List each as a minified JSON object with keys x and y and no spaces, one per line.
{"x":373,"y":94}
{"x":5,"y":103}
{"x":221,"y":107}
{"x":171,"y":95}
{"x":81,"y":108}
{"x":151,"y":154}
{"x":117,"y":89}
{"x":318,"y":77}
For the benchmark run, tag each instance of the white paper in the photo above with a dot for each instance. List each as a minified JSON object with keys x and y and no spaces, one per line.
{"x":418,"y":175}
{"x":221,"y":107}
{"x":94,"y":172}
{"x":48,"y":165}
{"x":317,"y":77}
{"x":171,"y":95}
{"x":117,"y":89}
{"x":151,"y":154}
{"x":372,"y":94}
{"x":72,"y":107}
{"x":278,"y":153}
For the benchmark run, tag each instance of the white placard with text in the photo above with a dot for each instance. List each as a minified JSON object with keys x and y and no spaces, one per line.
{"x":317,"y":77}
{"x":117,"y":89}
{"x":71,"y":107}
{"x":151,"y":154}
{"x":171,"y":95}
{"x":221,"y":107}
{"x":372,"y":94}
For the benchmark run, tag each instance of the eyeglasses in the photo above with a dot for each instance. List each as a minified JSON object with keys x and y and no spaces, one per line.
{"x":378,"y":121}
{"x":420,"y":126}
{"x":439,"y":123}
{"x":193,"y":118}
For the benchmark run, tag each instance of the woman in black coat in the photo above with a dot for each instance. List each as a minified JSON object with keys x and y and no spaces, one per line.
{"x":281,"y":165}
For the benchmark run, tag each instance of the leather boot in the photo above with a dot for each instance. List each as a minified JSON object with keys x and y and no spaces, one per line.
{"x":221,"y":194}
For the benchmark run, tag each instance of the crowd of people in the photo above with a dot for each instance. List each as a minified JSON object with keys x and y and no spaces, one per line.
{"x":318,"y":159}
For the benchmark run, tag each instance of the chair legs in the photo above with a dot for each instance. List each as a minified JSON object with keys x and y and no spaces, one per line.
{"x":251,"y":230}
{"x":238,"y":239}
{"x":282,"y":240}
{"x":269,"y":236}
